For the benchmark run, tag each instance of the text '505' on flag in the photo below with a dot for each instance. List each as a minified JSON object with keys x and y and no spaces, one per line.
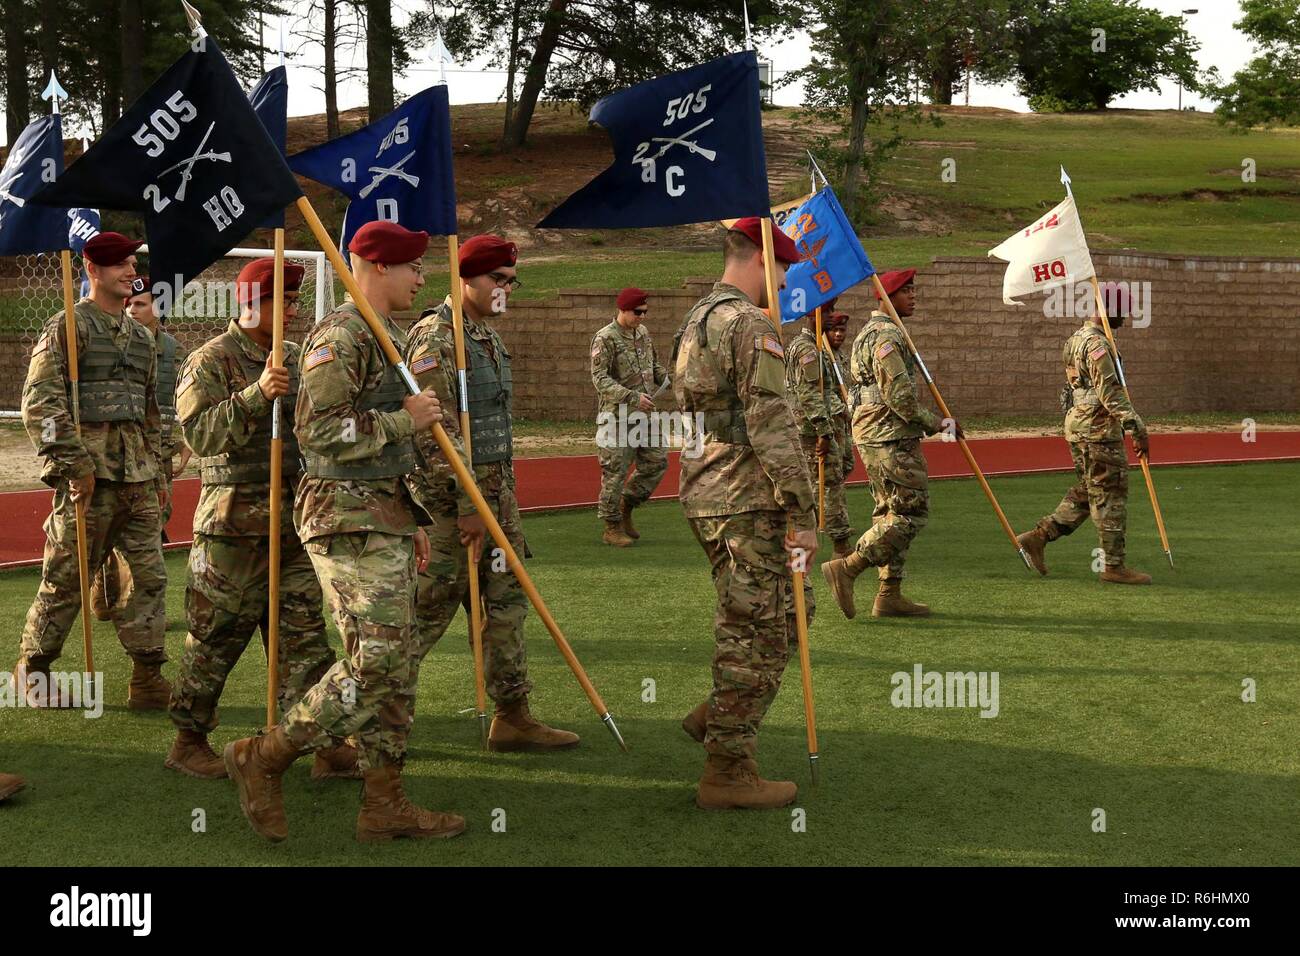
{"x":688,"y":147}
{"x":833,"y":260}
{"x":192,"y":157}
{"x":1049,"y":253}
{"x":270,"y":99}
{"x":398,"y":168}
{"x":35,"y":162}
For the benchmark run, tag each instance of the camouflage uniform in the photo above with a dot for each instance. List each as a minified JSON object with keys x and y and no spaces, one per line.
{"x":749,"y":484}
{"x":623,"y":368}
{"x":121,"y":445}
{"x":1098,"y":416}
{"x":888,"y":422}
{"x":227,"y":421}
{"x":819,"y":411}
{"x":443,"y":586}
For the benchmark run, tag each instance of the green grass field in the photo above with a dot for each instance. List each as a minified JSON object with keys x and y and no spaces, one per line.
{"x":1127,"y":700}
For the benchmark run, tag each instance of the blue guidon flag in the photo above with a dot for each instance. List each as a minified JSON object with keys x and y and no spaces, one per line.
{"x":270,"y":99}
{"x":688,"y":147}
{"x":398,"y":168}
{"x":35,"y":161}
{"x":833,"y":260}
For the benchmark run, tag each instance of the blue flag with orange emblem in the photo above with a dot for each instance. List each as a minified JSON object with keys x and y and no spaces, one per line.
{"x":35,"y":161}
{"x":833,"y":259}
{"x":688,"y":147}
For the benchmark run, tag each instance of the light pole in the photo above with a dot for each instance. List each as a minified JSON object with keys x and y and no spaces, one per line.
{"x":1180,"y":79}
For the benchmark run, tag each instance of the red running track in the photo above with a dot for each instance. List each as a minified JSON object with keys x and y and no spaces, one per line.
{"x":574,"y":481}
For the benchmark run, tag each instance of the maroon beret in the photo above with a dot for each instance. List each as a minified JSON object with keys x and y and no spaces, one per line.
{"x":894,"y":280}
{"x":110,"y":248}
{"x":1115,"y":297}
{"x":139,"y":286}
{"x":782,"y":245}
{"x":835,"y":319}
{"x":388,"y":243}
{"x":631,"y":298}
{"x":257,"y":280}
{"x":481,"y":254}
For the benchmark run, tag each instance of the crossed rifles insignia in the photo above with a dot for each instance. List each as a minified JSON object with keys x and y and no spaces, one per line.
{"x":689,"y":144}
{"x":186,"y":166}
{"x":383,"y":172}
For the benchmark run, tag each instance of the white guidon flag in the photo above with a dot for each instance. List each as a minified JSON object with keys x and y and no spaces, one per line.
{"x":1048,"y":253}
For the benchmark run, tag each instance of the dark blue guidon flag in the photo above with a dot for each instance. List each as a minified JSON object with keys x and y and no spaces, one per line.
{"x":833,"y":259}
{"x":35,"y":161}
{"x":398,"y":168}
{"x":688,"y":147}
{"x":192,"y":158}
{"x":270,"y":99}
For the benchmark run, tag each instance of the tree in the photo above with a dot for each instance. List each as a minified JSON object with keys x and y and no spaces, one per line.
{"x":1267,"y":90}
{"x":18,"y":104}
{"x":971,"y":39}
{"x":335,"y":27}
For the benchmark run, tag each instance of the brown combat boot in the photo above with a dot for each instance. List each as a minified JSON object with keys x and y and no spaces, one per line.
{"x":731,"y":783}
{"x":615,"y":535}
{"x":696,"y":722}
{"x":840,"y":574}
{"x":193,"y":756}
{"x":843,"y":547}
{"x":256,"y":765}
{"x":1034,"y":544}
{"x":629,"y":529}
{"x":10,"y":783}
{"x":35,"y":685}
{"x":515,"y":728}
{"x":100,"y":605}
{"x":1123,"y":575}
{"x":339,"y":762}
{"x":148,"y":689}
{"x":891,"y":603}
{"x":386,"y":813}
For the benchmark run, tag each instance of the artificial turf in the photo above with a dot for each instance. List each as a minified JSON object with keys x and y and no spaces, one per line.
{"x":1127,"y":700}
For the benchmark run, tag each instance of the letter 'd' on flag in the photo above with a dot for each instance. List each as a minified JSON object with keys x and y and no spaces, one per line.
{"x":35,"y":161}
{"x":688,"y":147}
{"x":1049,"y":253}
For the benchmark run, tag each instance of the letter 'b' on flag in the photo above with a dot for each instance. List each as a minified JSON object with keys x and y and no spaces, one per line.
{"x":688,"y":147}
{"x":833,"y":260}
{"x":35,"y":161}
{"x":1049,"y":253}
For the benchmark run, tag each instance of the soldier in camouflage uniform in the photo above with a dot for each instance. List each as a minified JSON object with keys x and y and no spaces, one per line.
{"x":837,"y":330}
{"x":487,"y":268}
{"x":355,"y":425}
{"x":628,"y":377}
{"x":821,"y":416}
{"x":226,"y":393}
{"x":749,"y":501}
{"x":1098,"y":413}
{"x":114,"y":467}
{"x":888,"y":422}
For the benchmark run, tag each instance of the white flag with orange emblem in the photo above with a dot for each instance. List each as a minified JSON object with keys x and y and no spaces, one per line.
{"x":1049,"y":253}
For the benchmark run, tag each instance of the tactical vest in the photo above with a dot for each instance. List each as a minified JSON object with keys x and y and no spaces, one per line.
{"x":714,"y":397}
{"x":165,"y":382}
{"x":489,"y":398}
{"x":114,"y":382}
{"x":1075,"y":354}
{"x":865,"y":390}
{"x":252,"y":461}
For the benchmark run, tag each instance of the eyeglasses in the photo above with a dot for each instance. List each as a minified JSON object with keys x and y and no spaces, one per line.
{"x":639,"y":312}
{"x":501,"y":281}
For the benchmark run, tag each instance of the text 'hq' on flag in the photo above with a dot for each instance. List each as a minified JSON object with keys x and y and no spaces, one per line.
{"x":270,"y":99}
{"x":1046,"y":254}
{"x":35,"y":162}
{"x":833,"y":260}
{"x":397,"y":168}
{"x":688,"y":147}
{"x":192,"y":157}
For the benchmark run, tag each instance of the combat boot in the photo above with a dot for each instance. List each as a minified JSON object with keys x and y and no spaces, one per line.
{"x":340,"y":762}
{"x":515,"y":728}
{"x":891,"y":603}
{"x":732,"y":783}
{"x":629,"y":529}
{"x":1122,"y":575}
{"x":10,"y":783}
{"x":192,"y":755}
{"x":148,"y":689}
{"x":843,"y":547}
{"x":100,"y":605}
{"x":256,"y":764}
{"x":386,"y":813}
{"x":38,"y":691}
{"x":615,"y":535}
{"x":696,"y":722}
{"x":1034,"y":544}
{"x":840,"y":574}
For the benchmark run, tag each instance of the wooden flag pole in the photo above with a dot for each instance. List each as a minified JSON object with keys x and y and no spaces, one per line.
{"x":462,"y":473}
{"x":475,"y":602}
{"x":797,"y":565}
{"x":943,"y":408}
{"x":1142,"y":459}
{"x":277,"y":467}
{"x":821,"y":459}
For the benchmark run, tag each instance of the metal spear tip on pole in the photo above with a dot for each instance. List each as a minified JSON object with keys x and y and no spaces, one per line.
{"x":483,"y":729}
{"x":1170,"y":556}
{"x":812,"y":767}
{"x":1024,"y":556}
{"x":608,"y":720}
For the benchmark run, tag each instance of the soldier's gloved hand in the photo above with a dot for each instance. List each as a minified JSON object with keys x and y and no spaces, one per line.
{"x":645,"y":403}
{"x":823,"y":446}
{"x":273,"y":382}
{"x":424,"y":409}
{"x":1142,"y":442}
{"x":472,"y":531}
{"x":82,"y":488}
{"x":421,"y":550}
{"x":802,"y":548}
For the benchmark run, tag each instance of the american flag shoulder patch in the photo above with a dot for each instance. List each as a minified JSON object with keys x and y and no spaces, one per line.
{"x":884,"y":350}
{"x":424,"y":363}
{"x":186,"y":382}
{"x":1097,"y":353}
{"x":318,"y":357}
{"x":770,"y":343}
{"x":808,"y":359}
{"x":41,"y":346}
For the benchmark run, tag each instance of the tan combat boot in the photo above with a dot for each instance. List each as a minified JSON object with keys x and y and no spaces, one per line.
{"x":514,"y":728}
{"x":10,"y":783}
{"x":386,"y":813}
{"x":891,"y":603}
{"x":35,"y":684}
{"x":629,"y":529}
{"x":192,"y":755}
{"x":615,"y":535}
{"x":696,"y":722}
{"x":256,"y":765}
{"x":148,"y":689}
{"x":843,"y":547}
{"x":339,"y":762}
{"x":1123,"y":575}
{"x":100,"y":605}
{"x":731,"y":783}
{"x":1034,"y":544}
{"x":840,"y":574}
